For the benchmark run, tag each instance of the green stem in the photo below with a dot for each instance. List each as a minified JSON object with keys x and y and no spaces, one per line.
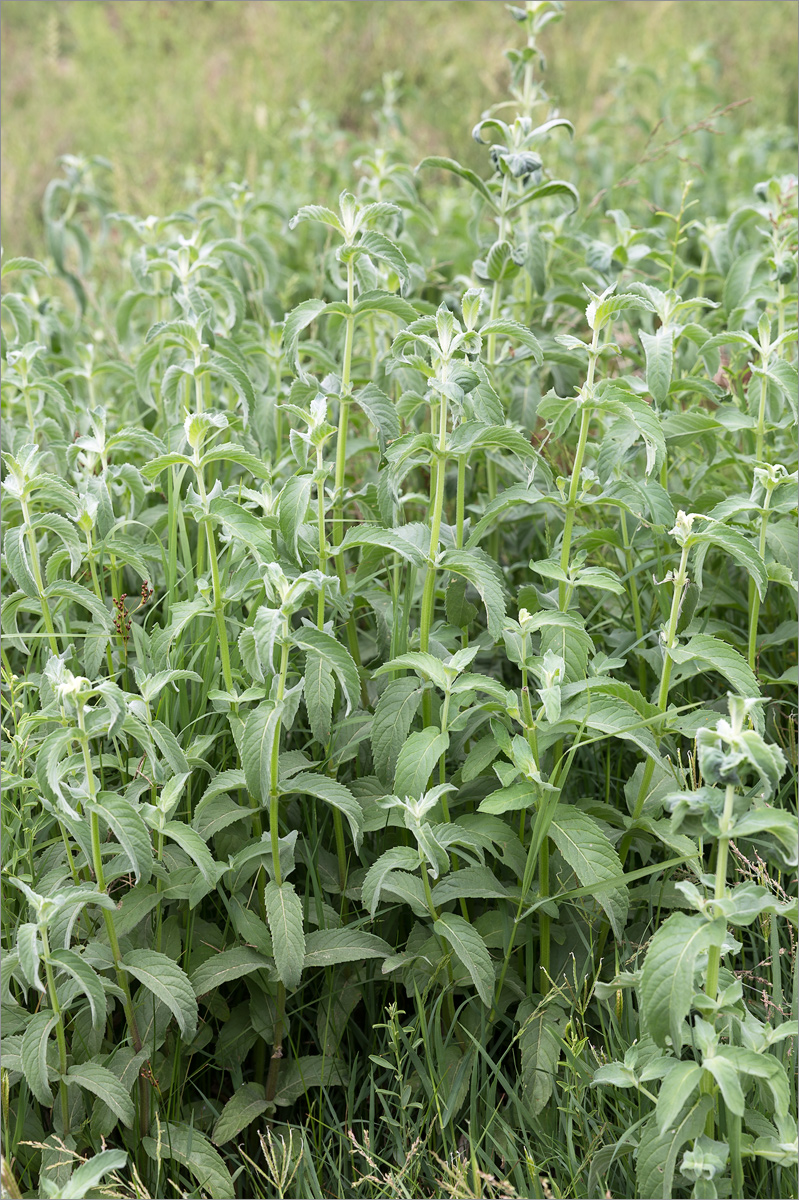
{"x":99,"y":875}
{"x":59,"y":1030}
{"x":634,"y":598}
{"x":460,"y":505}
{"x":429,"y":590}
{"x":761,"y":418}
{"x":320,"y":524}
{"x":98,"y":592}
{"x":574,"y":485}
{"x":663,"y":692}
{"x":274,"y":797}
{"x":543,"y":919}
{"x":714,"y":953}
{"x":754,"y":594}
{"x":219,"y":600}
{"x":37,"y":575}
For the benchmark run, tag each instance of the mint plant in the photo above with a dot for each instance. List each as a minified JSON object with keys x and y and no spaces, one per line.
{"x":398,"y":677}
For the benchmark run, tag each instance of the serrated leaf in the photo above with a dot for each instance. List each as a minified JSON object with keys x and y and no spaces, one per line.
{"x":257,"y":742}
{"x":449,"y":164}
{"x":667,"y":979}
{"x":540,"y":1045}
{"x":168,"y":983}
{"x":334,"y":794}
{"x":659,"y":351}
{"x":239,"y":1112}
{"x":677,"y":1087}
{"x":319,"y":692}
{"x":129,"y":830}
{"x":87,"y":980}
{"x":284,"y":913}
{"x":471,"y":951}
{"x":712,"y":652}
{"x":338,"y":657}
{"x":399,"y":858}
{"x":589,"y":853}
{"x":327,"y":947}
{"x":231,"y":964}
{"x":34,"y":1055}
{"x":736,"y":545}
{"x":292,"y":507}
{"x":190,"y":841}
{"x":416,"y":761}
{"x":103,"y":1084}
{"x":381,"y":412}
{"x":27,"y":938}
{"x":192,"y":1150}
{"x":657,"y":1153}
{"x":484,"y":574}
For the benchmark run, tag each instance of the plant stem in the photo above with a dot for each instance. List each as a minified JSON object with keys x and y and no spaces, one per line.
{"x":59,"y":1030}
{"x":680,"y":580}
{"x":274,"y":797}
{"x":99,"y":874}
{"x":634,"y":598}
{"x":37,"y":575}
{"x":761,"y":417}
{"x":460,"y":502}
{"x":754,"y":594}
{"x":574,"y":485}
{"x":320,"y":524}
{"x":341,"y":465}
{"x":429,"y":590}
{"x":544,"y":928}
{"x":714,"y":953}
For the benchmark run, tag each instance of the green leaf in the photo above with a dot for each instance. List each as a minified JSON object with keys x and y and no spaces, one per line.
{"x":676,"y":1089}
{"x":23,"y":264}
{"x":260,"y":730}
{"x":706,"y":651}
{"x":327,"y":947}
{"x":667,"y":980}
{"x":307,"y":1071}
{"x":381,"y":412}
{"x":292,"y":507}
{"x":284,"y":913}
{"x":89,"y":1174}
{"x":385,"y":302}
{"x":540,"y":1045}
{"x":240,"y":1111}
{"x":657,"y":1152}
{"x":503,"y":327}
{"x":477,"y":882}
{"x":486,"y":577}
{"x":399,"y":858}
{"x":378,"y":246}
{"x":87,"y":980}
{"x":190,"y":841}
{"x":449,"y":164}
{"x":589,"y":853}
{"x":394,"y":714}
{"x":659,"y":351}
{"x":515,"y":798}
{"x":390,"y":539}
{"x":553,"y":187}
{"x":474,"y":435}
{"x":29,"y":953}
{"x":298,"y":319}
{"x":471,"y":951}
{"x":233,"y":963}
{"x":319,"y":693}
{"x":736,"y":545}
{"x":103,"y":1084}
{"x":334,"y":794}
{"x":129,"y":829}
{"x":416,"y":761}
{"x":601,"y":312}
{"x":168,"y":983}
{"x":336,"y":655}
{"x":191,"y":1149}
{"x":34,"y":1055}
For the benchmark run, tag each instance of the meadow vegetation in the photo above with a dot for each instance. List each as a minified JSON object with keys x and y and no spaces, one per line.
{"x":399,"y":652}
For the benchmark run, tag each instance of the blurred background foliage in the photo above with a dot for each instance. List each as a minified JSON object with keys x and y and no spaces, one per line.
{"x":177,"y":93}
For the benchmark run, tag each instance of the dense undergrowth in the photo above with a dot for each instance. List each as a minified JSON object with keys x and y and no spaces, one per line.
{"x":399,"y":682}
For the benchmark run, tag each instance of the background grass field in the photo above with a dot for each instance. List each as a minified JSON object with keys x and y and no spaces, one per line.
{"x":161,"y":88}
